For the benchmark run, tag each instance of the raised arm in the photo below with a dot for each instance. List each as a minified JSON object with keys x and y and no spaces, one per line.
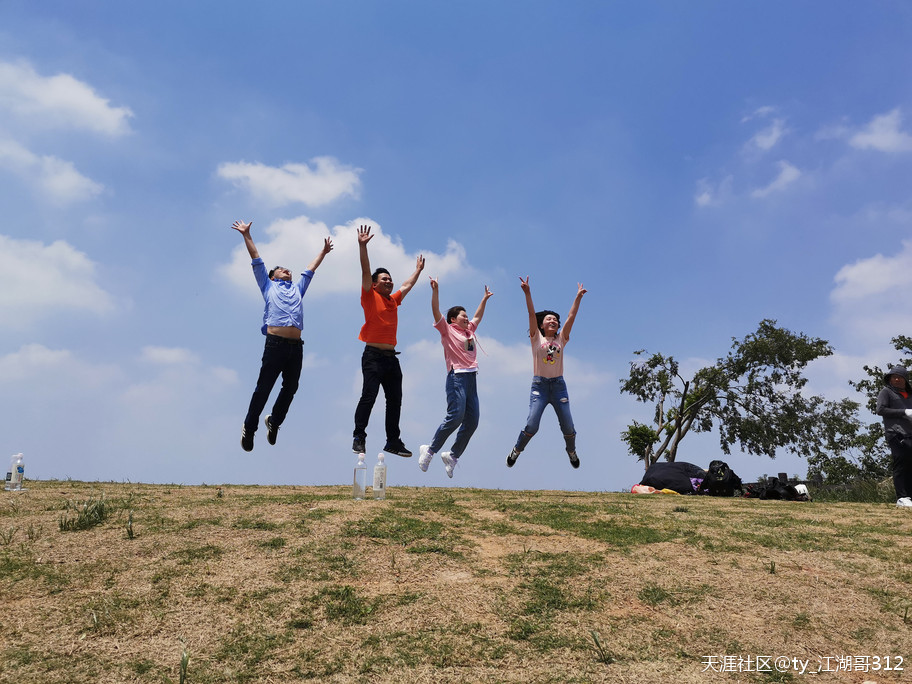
{"x":364,"y":236}
{"x":479,"y":312}
{"x":533,"y":322}
{"x":327,"y":248}
{"x":409,"y":282}
{"x":568,"y":324}
{"x":244,"y":230}
{"x":435,"y":300}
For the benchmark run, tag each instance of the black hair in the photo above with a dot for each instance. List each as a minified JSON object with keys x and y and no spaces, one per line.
{"x":540,"y":317}
{"x":452,"y":312}
{"x":376,"y":273}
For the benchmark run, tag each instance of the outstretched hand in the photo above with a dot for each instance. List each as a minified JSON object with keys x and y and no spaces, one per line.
{"x":364,"y":235}
{"x":488,"y":294}
{"x":419,"y":264}
{"x":580,"y":290}
{"x":327,"y":246}
{"x":434,"y":285}
{"x":241,"y":227}
{"x":524,"y":284}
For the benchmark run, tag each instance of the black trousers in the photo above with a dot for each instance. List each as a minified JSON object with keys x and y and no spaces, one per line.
{"x":902,"y":465}
{"x":380,"y":368}
{"x":281,"y":356}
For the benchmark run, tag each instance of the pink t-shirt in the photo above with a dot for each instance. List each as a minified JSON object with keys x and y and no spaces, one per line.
{"x":547,"y":355}
{"x":459,"y":346}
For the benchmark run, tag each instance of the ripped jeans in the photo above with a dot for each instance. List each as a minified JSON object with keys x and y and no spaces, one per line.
{"x":546,"y":391}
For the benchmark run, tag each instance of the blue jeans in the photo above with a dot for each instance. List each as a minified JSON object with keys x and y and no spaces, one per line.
{"x":547,"y":391}
{"x":281,"y":356}
{"x":462,"y":412}
{"x":380,"y":368}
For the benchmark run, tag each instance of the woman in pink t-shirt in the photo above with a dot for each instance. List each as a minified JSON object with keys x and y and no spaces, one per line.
{"x":548,"y":386}
{"x":457,"y":335}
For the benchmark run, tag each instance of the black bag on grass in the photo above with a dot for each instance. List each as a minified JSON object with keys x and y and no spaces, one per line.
{"x":673,"y":475}
{"x":720,"y":480}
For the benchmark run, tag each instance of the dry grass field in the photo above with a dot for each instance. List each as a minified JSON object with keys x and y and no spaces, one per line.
{"x":120,"y":582}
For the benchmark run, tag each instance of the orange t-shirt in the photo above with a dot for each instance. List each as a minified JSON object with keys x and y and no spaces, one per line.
{"x":381,"y":318}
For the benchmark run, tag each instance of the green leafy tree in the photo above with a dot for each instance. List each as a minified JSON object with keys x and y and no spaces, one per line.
{"x":752,"y":396}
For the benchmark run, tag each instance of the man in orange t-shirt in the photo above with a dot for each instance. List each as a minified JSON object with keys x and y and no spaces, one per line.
{"x":379,"y":365}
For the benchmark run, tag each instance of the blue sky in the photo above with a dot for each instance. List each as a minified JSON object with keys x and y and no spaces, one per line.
{"x":697,"y":166}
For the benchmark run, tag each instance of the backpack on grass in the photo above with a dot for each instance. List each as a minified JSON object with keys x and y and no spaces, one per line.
{"x":720,"y":480}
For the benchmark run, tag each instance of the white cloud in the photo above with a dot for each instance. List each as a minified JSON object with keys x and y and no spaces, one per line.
{"x":168,"y":356}
{"x":768,"y":138}
{"x":759,"y":113}
{"x":709,"y":195}
{"x":883,"y":134}
{"x":56,"y":179}
{"x":788,"y":174}
{"x":869,"y":297}
{"x":173,"y":393}
{"x":51,"y":372}
{"x":323,"y":182}
{"x":875,"y":276}
{"x":39,"y":280}
{"x":58,"y":101}
{"x":295,"y":242}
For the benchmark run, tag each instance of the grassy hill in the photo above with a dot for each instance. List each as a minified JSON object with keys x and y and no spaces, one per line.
{"x":119,"y":582}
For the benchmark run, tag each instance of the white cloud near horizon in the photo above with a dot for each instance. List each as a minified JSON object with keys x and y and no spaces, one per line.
{"x":58,"y":101}
{"x":788,"y":174}
{"x":52,"y":372}
{"x":315,"y":185}
{"x":883,"y":133}
{"x":55,"y":179}
{"x":69,"y":282}
{"x":295,"y":242}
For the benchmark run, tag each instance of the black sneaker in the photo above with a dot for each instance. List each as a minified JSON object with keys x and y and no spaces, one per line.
{"x":511,"y":459}
{"x":358,"y":445}
{"x":272,"y":431}
{"x":246,"y":439}
{"x":574,"y":459}
{"x":398,"y":449}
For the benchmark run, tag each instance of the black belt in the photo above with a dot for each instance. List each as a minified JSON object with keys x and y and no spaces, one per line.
{"x":286,"y":340}
{"x":381,"y":352}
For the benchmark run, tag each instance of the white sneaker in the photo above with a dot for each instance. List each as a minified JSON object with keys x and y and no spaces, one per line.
{"x":449,"y":462}
{"x":426,"y":456}
{"x":904,"y":502}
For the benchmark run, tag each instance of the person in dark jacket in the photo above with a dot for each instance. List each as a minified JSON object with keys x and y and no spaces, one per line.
{"x":894,"y":403}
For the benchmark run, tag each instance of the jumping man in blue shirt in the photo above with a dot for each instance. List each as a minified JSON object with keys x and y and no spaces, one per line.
{"x":283,"y":318}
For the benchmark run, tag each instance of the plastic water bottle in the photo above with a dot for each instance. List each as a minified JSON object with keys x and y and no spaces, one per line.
{"x":380,"y":478}
{"x":16,"y":473}
{"x":359,"y":484}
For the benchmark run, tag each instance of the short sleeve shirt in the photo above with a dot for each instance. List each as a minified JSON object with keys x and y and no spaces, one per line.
{"x":459,"y":346}
{"x":548,"y":355}
{"x":381,"y":318}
